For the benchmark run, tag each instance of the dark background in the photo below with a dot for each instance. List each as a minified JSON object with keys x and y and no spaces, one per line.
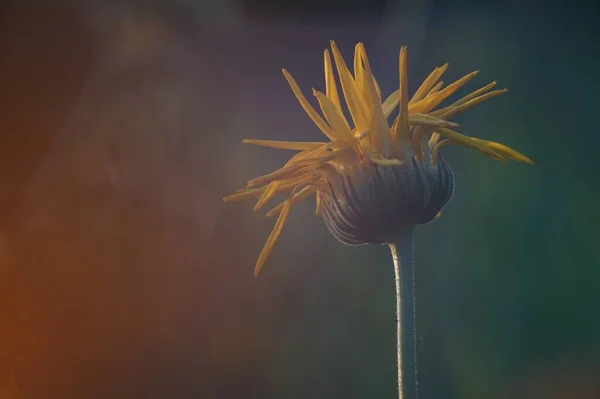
{"x":122,"y":275}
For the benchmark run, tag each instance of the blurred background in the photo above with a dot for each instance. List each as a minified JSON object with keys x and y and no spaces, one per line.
{"x":122,"y":274}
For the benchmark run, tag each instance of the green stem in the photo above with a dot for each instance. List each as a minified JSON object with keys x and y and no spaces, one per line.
{"x":406,"y":327}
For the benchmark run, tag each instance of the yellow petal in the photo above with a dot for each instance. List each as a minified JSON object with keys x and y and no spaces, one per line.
{"x":430,"y":102}
{"x":428,"y":83}
{"x":462,"y":105}
{"x":468,"y":104}
{"x":415,"y":141}
{"x":378,"y":158}
{"x":286,"y":184}
{"x":264,"y":254}
{"x":291,"y":167}
{"x":308,"y":153}
{"x":385,"y":162}
{"x":282,"y":173}
{"x":468,"y":142}
{"x":300,"y":195}
{"x":391,"y":103}
{"x":321,"y":124}
{"x":318,"y":205}
{"x":401,"y":131}
{"x":243,"y":195}
{"x":278,"y":186}
{"x":276,"y":210}
{"x":334,"y":117}
{"x":378,"y":89}
{"x":330,"y":86}
{"x":300,"y":166}
{"x":324,"y":158}
{"x":505,"y":150}
{"x":285,"y":145}
{"x":476,"y":93}
{"x":433,"y":139}
{"x":436,"y":149}
{"x":453,"y":110}
{"x":360,"y":76}
{"x":352,"y":94}
{"x":381,"y":139}
{"x":436,"y":88}
{"x":359,"y":72}
{"x":428,"y":120}
{"x":267,"y":195}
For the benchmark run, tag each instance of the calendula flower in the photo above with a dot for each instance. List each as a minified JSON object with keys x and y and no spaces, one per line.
{"x":371,"y":178}
{"x":374,"y":181}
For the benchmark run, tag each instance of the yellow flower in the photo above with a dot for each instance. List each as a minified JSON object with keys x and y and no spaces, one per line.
{"x":371,"y":179}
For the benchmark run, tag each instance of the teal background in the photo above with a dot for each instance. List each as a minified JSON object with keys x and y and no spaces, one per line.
{"x":123,"y":275}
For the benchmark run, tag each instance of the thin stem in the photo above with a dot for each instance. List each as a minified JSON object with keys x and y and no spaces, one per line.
{"x":406,"y":327}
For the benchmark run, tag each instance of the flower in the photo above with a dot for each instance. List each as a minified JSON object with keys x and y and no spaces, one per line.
{"x":371,"y":180}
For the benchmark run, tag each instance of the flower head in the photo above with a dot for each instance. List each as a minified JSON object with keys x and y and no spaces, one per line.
{"x":371,"y":179}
